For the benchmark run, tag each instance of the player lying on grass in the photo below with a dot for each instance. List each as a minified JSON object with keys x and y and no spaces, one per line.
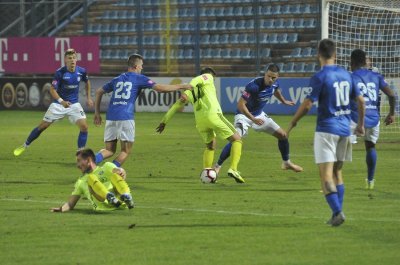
{"x":98,"y":184}
{"x":210,"y":120}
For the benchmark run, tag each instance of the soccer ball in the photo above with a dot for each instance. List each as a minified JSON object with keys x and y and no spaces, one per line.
{"x":208,"y":175}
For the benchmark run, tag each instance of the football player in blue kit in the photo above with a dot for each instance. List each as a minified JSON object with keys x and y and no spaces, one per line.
{"x":370,"y":83}
{"x":332,"y":88}
{"x":250,"y":114}
{"x":65,"y":92}
{"x":120,"y":123}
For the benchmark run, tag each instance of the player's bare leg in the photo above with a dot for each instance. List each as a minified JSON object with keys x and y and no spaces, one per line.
{"x":283,"y":144}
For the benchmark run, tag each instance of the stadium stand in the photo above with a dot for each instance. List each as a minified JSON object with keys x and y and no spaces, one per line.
{"x":237,"y":37}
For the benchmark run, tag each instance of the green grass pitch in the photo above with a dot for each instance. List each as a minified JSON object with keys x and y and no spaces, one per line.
{"x":277,"y":217}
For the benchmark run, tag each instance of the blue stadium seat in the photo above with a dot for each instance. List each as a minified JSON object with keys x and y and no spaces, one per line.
{"x":204,"y":25}
{"x":105,"y":28}
{"x":212,"y":25}
{"x":264,"y":38}
{"x":290,"y":23}
{"x":230,"y":24}
{"x":249,"y":24}
{"x":265,"y":10}
{"x":289,"y":67}
{"x":105,"y":54}
{"x":285,"y":9}
{"x":148,"y":40}
{"x":224,"y":39}
{"x":94,"y":28}
{"x":206,"y":53}
{"x":292,"y":37}
{"x":218,"y":11}
{"x":237,"y":11}
{"x":299,"y":23}
{"x":221,"y":25}
{"x":247,"y":11}
{"x":267,"y":23}
{"x":295,"y":53}
{"x":299,"y":67}
{"x":187,"y":39}
{"x":245,"y":53}
{"x":276,"y":10}
{"x":280,"y":66}
{"x":305,"y":9}
{"x":273,"y":38}
{"x":226,"y":53}
{"x":205,"y":39}
{"x":282,"y":38}
{"x":104,"y":40}
{"x":123,"y":40}
{"x":306,"y":52}
{"x":242,"y":38}
{"x":228,"y":11}
{"x":295,"y":9}
{"x":188,"y":54}
{"x":214,"y":39}
{"x":132,"y":40}
{"x":113,"y":54}
{"x":265,"y":53}
{"x":310,"y":23}
{"x":234,"y":38}
{"x":251,"y":38}
{"x":310,"y":67}
{"x":279,"y":23}
{"x":114,"y":27}
{"x":123,"y":27}
{"x":131,"y":27}
{"x":240,"y":24}
{"x":235,"y":53}
{"x":216,"y":53}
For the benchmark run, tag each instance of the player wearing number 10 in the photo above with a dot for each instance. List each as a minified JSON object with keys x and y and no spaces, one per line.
{"x":120,"y":124}
{"x":332,"y":88}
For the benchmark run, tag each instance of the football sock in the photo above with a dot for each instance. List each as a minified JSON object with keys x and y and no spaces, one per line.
{"x":371,"y":158}
{"x":208,"y":158}
{"x":97,"y":186}
{"x":120,"y":184}
{"x":33,"y":135}
{"x":226,"y":152}
{"x":99,"y":158}
{"x":82,"y":139}
{"x":333,"y":201}
{"x":236,"y":153}
{"x":115,"y":162}
{"x":340,"y":194}
{"x":284,"y":149}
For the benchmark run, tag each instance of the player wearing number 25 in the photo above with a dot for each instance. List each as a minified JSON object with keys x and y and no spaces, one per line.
{"x":332,"y":88}
{"x":120,"y":124}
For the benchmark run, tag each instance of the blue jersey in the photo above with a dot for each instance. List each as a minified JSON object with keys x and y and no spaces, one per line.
{"x":332,"y":88}
{"x":125,"y":90}
{"x":369,"y":83}
{"x":67,"y":83}
{"x":257,"y":95}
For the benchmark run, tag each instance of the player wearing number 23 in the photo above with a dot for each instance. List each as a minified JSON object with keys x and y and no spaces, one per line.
{"x":120,"y":124}
{"x":332,"y":88}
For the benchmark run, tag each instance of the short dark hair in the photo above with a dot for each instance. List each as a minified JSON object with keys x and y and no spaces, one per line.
{"x":358,"y":58}
{"x":69,"y":51}
{"x":86,"y":153}
{"x":208,"y":70}
{"x":273,"y":68}
{"x":327,"y":48}
{"x":134,"y":59}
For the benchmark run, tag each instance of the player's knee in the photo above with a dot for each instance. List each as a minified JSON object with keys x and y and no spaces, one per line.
{"x":330,"y":187}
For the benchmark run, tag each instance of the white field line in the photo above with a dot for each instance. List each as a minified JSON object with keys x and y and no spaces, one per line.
{"x":223,"y":212}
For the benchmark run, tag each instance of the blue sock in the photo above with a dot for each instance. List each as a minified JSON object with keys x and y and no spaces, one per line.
{"x":371,"y":158}
{"x":284,"y":148}
{"x":33,"y":135}
{"x":99,"y":158}
{"x":118,"y":164}
{"x":340,"y":194}
{"x":82,"y":139}
{"x":226,"y":152}
{"x":333,"y":201}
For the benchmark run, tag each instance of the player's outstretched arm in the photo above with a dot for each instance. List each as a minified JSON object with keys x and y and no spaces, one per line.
{"x":301,"y":111}
{"x":68,"y":206}
{"x":281,"y":98}
{"x":170,"y":88}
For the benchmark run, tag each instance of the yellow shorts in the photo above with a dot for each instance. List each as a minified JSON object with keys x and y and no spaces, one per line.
{"x":214,"y":125}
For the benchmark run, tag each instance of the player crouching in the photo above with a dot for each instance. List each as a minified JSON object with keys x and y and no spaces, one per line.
{"x":104,"y":186}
